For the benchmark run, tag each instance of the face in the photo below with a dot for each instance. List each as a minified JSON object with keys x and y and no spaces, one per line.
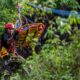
{"x":10,"y":31}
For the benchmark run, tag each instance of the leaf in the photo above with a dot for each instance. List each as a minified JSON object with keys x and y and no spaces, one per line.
{"x":78,"y":19}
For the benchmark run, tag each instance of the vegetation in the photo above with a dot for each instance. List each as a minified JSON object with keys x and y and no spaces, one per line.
{"x":59,"y":57}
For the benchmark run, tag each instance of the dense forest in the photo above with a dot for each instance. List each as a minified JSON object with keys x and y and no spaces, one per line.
{"x":56,"y":55}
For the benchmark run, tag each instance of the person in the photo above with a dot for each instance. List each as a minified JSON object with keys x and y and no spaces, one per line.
{"x":8,"y":39}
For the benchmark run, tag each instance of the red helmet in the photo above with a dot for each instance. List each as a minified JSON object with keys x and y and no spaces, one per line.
{"x":9,"y":25}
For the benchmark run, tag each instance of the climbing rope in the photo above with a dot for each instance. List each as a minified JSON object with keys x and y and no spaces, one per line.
{"x":18,"y":21}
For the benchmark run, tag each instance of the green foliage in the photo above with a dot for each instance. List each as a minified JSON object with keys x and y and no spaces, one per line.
{"x":74,"y":17}
{"x":7,"y":10}
{"x":55,"y":62}
{"x":1,"y":30}
{"x":58,"y":59}
{"x":63,"y":25}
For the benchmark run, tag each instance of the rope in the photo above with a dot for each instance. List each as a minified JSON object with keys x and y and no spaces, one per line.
{"x":27,"y":19}
{"x":18,"y":22}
